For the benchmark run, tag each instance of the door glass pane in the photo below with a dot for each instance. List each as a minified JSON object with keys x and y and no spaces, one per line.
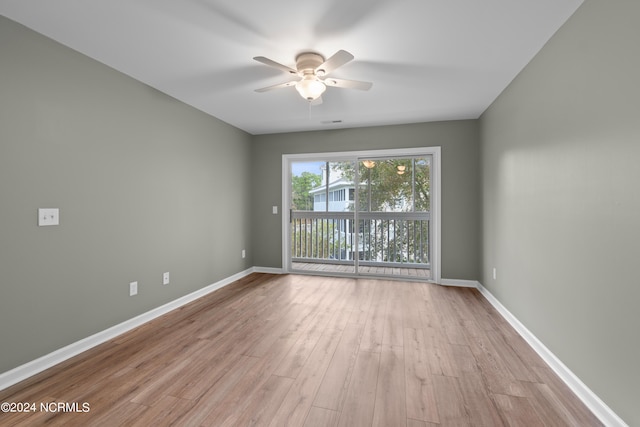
{"x":395,"y":185}
{"x":422,"y":167}
{"x":340,"y":186}
{"x":322,"y":225}
{"x":394,"y":203}
{"x":305,"y":178}
{"x":341,"y":238}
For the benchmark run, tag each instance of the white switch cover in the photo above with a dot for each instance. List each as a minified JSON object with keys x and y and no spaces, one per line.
{"x":274,"y":209}
{"x":165,"y":278}
{"x":133,"y":289}
{"x":48,"y":216}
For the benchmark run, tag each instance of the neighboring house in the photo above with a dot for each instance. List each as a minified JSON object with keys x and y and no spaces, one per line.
{"x":340,"y":195}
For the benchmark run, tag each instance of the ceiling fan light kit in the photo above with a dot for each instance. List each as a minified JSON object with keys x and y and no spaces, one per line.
{"x":311,"y":67}
{"x":310,"y":87}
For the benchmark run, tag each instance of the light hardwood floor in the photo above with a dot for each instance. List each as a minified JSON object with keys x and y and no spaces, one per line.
{"x":311,"y":351}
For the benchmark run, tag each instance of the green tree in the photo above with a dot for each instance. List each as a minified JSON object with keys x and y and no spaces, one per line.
{"x":388,"y":186}
{"x":301,"y":186}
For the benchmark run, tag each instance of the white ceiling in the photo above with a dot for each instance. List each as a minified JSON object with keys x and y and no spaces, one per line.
{"x":428,"y":60}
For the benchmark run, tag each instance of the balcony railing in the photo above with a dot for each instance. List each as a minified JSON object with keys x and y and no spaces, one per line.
{"x":380,"y":238}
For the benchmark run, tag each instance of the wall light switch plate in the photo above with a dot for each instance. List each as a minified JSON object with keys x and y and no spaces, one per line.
{"x":133,"y":289}
{"x":165,"y":278}
{"x":274,"y":210}
{"x":48,"y":216}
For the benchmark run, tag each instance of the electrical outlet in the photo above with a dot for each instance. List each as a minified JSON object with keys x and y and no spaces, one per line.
{"x":494,"y":273}
{"x":244,"y":253}
{"x":165,"y":278}
{"x":133,"y":289}
{"x":48,"y":216}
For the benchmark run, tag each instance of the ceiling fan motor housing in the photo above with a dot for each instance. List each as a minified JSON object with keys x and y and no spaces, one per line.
{"x":307,"y":62}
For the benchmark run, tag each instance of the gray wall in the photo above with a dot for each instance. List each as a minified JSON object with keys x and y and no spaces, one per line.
{"x":142,"y":181}
{"x":561,"y":199}
{"x":460,"y":183}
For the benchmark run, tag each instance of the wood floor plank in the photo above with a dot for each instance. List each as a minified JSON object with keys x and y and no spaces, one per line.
{"x":495,"y":370}
{"x":393,"y":332}
{"x":291,"y":365}
{"x":261,"y":406}
{"x":440,"y":354}
{"x":361,"y":396}
{"x":335,"y":382}
{"x":374,"y":325}
{"x":197,"y":378}
{"x":421,"y":400}
{"x":363,"y":306}
{"x":449,"y":311}
{"x":310,"y":350}
{"x":411,"y":316}
{"x":478,"y":403}
{"x":213,"y":399}
{"x":564,"y":395}
{"x":451,"y":404}
{"x":211,"y":364}
{"x":391,"y":402}
{"x":321,"y":417}
{"x":298,"y":402}
{"x":123,"y":413}
{"x":517,"y":411}
{"x":419,"y":423}
{"x":463,"y":359}
{"x":514,"y":363}
{"x":250,"y":380}
{"x":154,"y":390}
{"x":291,"y":319}
{"x":164,"y":412}
{"x":549,"y":407}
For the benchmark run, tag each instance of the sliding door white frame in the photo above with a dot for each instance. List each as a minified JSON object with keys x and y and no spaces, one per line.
{"x":434,"y":152}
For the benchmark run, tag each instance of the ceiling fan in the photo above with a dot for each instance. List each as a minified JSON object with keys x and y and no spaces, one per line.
{"x":312,"y":70}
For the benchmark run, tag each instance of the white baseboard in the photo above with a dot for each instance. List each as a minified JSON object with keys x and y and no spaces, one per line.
{"x":36,"y":366}
{"x":460,"y":283}
{"x":584,"y":393}
{"x":268,"y":270}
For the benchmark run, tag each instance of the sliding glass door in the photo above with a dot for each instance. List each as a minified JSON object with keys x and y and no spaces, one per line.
{"x":394,"y":217}
{"x":366,"y":213}
{"x":322,"y":217}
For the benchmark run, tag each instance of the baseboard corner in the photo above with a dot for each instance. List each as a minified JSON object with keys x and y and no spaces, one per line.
{"x":268,"y":270}
{"x":600,"y":409}
{"x":460,"y":283}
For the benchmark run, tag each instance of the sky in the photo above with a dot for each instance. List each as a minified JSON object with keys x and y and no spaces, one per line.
{"x":298,"y":167}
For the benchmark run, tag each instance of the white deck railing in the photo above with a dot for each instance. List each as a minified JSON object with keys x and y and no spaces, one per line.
{"x":380,"y":238}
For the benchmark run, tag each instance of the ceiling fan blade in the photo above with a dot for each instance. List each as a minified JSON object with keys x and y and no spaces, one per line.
{"x":348,"y":84}
{"x":275,"y":64}
{"x":278,"y":86}
{"x":338,"y":59}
